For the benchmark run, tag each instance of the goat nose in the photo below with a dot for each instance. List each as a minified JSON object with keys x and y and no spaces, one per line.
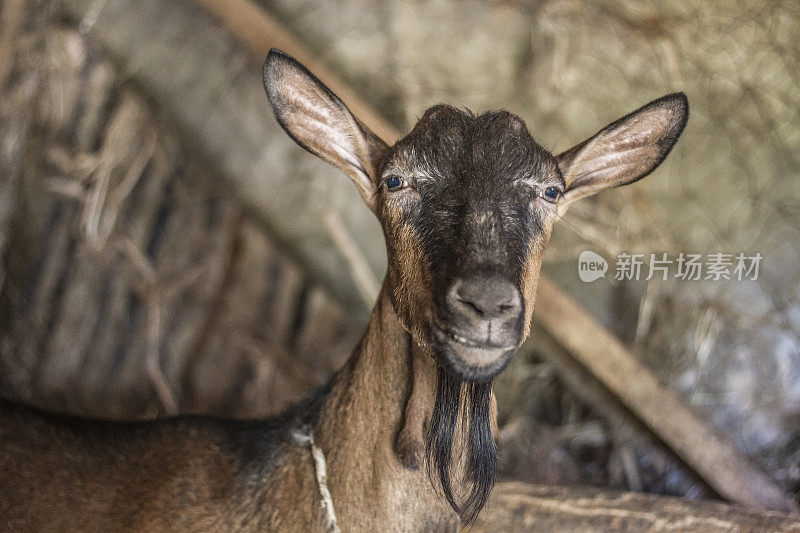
{"x":484,"y":297}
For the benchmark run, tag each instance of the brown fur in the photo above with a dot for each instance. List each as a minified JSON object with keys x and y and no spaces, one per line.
{"x":530,"y":276}
{"x":178,"y":475}
{"x":409,"y":276}
{"x":411,"y":439}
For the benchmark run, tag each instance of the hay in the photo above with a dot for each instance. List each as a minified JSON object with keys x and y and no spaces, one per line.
{"x":136,"y":285}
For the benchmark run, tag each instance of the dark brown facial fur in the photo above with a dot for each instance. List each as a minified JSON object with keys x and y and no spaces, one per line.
{"x":462,"y":229}
{"x":460,"y":232}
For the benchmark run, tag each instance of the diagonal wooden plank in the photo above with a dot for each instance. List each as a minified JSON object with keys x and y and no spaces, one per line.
{"x":712,"y":455}
{"x":261,"y":32}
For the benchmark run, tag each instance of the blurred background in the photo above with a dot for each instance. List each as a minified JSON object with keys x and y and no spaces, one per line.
{"x":166,"y":249}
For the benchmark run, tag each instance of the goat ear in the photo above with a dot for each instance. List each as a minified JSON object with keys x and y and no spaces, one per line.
{"x":625,"y":150}
{"x":318,"y":121}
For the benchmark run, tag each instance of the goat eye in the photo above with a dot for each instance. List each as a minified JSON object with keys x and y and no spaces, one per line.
{"x":550,"y":194}
{"x":394,"y":183}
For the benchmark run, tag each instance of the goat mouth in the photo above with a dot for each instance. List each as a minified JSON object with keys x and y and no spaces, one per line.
{"x":458,"y":339}
{"x":466,"y":358}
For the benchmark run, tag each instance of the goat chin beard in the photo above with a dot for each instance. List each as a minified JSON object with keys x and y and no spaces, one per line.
{"x":460,"y":443}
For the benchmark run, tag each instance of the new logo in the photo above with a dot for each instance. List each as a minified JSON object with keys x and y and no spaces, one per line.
{"x":591,"y":266}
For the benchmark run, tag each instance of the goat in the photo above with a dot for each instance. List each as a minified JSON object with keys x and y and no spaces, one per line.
{"x":403,"y":436}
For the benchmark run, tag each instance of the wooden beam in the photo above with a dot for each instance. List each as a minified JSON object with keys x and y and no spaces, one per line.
{"x":260,"y":32}
{"x":525,"y":507}
{"x":712,"y":455}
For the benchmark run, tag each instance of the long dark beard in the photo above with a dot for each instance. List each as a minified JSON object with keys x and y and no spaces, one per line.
{"x":482,"y":460}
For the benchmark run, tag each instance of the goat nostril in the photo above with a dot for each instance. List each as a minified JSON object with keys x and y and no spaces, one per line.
{"x":471,"y":305}
{"x":484,"y":298}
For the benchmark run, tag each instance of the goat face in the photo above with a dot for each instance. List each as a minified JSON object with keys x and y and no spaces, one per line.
{"x":467,"y":204}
